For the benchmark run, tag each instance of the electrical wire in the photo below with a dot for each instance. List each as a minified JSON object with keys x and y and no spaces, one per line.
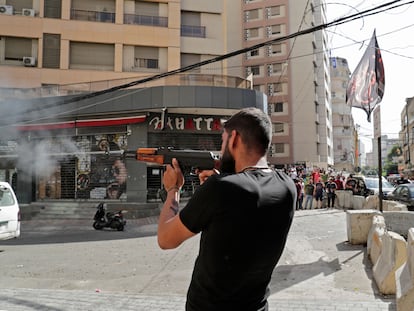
{"x":372,"y":11}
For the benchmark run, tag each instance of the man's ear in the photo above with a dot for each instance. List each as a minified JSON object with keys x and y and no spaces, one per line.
{"x":233,"y":140}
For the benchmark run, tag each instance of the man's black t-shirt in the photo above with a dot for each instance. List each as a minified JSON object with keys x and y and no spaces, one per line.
{"x":244,"y":219}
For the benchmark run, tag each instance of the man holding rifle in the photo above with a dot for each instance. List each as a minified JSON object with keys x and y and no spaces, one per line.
{"x":244,"y":213}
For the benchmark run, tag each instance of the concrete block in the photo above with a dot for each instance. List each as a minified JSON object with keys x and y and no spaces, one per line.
{"x":359,"y":224}
{"x":377,"y":231}
{"x":393,"y":256}
{"x":399,"y":221}
{"x":358,"y":202}
{"x":405,"y":278}
{"x":344,"y":199}
{"x":393,"y":206}
{"x":372,"y":202}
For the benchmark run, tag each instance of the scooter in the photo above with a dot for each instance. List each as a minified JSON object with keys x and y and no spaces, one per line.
{"x":113,"y":220}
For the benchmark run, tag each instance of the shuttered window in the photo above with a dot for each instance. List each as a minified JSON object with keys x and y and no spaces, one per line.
{"x":53,"y":8}
{"x":92,"y":56}
{"x":51,"y":50}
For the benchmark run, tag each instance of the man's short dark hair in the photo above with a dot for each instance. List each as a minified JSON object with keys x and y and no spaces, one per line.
{"x":254,"y":127}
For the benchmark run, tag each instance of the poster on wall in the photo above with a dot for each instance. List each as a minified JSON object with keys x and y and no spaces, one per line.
{"x":101,"y":171}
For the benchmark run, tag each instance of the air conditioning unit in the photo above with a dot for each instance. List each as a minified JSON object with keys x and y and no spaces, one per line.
{"x":28,"y":12}
{"x":6,"y":9}
{"x":29,"y":61}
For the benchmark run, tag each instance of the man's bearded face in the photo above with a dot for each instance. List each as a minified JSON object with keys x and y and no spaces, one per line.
{"x":227,"y":165}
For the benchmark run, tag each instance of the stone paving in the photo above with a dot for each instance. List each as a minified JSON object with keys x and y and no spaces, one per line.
{"x":319,"y":270}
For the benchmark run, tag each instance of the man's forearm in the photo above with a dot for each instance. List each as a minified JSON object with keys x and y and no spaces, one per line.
{"x":168,"y":212}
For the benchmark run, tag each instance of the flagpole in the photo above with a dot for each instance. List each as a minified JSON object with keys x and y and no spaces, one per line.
{"x":379,"y":173}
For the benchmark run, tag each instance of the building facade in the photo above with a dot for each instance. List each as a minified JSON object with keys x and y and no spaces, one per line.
{"x":406,"y":137}
{"x":295,"y":76}
{"x":72,"y":80}
{"x":345,"y":149}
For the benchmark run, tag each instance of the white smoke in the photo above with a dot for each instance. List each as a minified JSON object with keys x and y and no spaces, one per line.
{"x":41,"y":157}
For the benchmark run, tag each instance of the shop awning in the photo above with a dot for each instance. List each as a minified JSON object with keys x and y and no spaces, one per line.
{"x":81,"y":123}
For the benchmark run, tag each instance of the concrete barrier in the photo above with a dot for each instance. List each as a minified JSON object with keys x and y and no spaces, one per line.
{"x":405,"y":278}
{"x":374,"y":243}
{"x":399,"y":221}
{"x":393,"y":206}
{"x":372,"y":202}
{"x":359,"y":224}
{"x":393,"y":255}
{"x":344,"y":199}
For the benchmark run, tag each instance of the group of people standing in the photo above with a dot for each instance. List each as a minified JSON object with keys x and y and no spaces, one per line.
{"x":315,"y":189}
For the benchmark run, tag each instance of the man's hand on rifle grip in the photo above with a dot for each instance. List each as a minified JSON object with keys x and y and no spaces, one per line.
{"x":173,"y":176}
{"x":203,"y":175}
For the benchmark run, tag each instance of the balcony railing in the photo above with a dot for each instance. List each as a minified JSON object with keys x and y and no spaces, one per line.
{"x":159,"y":21}
{"x":193,"y":31}
{"x":94,"y":16}
{"x":81,"y":88}
{"x":146,"y":63}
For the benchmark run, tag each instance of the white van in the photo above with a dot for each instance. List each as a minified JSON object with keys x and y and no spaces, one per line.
{"x":9,"y":213}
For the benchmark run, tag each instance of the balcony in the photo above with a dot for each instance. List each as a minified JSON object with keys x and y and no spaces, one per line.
{"x":147,"y":20}
{"x":82,"y":88}
{"x":93,"y":16}
{"x":193,"y":31}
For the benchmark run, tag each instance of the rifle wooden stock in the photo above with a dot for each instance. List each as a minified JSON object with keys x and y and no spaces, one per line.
{"x":188,"y":159}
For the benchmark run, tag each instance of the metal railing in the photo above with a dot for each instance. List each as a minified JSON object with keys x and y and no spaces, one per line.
{"x":95,"y":16}
{"x":148,"y":20}
{"x":87,"y":87}
{"x":193,"y":31}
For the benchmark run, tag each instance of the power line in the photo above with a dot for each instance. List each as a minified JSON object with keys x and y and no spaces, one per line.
{"x":346,"y":19}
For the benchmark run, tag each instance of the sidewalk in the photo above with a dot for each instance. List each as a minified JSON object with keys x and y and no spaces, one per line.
{"x":318,"y":270}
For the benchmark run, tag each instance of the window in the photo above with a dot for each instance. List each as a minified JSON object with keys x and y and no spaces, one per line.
{"x":274,"y":30}
{"x":91,"y":56}
{"x":278,"y":148}
{"x":145,"y":13}
{"x":146,"y":63}
{"x":97,"y":11}
{"x":273,"y":11}
{"x":51,"y":50}
{"x":278,"y":107}
{"x":278,"y":128}
{"x":188,"y":59}
{"x":191,"y":25}
{"x":252,"y":53}
{"x":251,"y":15}
{"x":16,"y":48}
{"x":252,"y":33}
{"x":53,"y":8}
{"x":255,"y":70}
{"x":275,"y":48}
{"x":275,"y":68}
{"x":274,"y":88}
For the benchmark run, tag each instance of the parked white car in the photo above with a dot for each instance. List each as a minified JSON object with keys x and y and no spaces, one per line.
{"x":9,"y":213}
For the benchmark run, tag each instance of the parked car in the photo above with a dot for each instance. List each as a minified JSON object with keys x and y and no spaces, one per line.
{"x":9,"y":213}
{"x":372,"y":184}
{"x":404,"y":194}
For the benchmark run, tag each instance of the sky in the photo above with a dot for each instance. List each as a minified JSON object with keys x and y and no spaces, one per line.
{"x":394,"y":30}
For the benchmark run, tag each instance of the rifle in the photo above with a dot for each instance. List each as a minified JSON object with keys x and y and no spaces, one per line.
{"x":190,"y":161}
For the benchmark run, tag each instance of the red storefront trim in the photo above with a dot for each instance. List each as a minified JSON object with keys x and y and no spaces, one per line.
{"x":81,"y":123}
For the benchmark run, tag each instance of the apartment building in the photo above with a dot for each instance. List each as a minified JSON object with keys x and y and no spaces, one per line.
{"x":342,"y":121}
{"x":406,"y":138}
{"x":49,"y":42}
{"x":71,"y":73}
{"x":295,"y":75}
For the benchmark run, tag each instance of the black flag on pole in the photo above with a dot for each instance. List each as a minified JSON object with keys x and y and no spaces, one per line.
{"x":366,"y":86}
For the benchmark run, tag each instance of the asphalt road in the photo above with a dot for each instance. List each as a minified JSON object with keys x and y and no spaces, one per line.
{"x":319,"y":269}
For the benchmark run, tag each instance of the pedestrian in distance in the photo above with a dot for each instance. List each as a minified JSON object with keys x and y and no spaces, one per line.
{"x":244,"y":215}
{"x":309,"y":191}
{"x":318,"y":193}
{"x":299,"y":191}
{"x":330,"y":189}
